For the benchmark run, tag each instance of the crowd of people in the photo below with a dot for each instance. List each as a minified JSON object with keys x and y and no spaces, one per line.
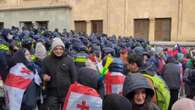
{"x":40,"y":69}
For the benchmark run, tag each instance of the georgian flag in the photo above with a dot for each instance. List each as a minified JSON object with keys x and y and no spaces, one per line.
{"x":113,"y":83}
{"x":81,"y":97}
{"x":18,"y":79}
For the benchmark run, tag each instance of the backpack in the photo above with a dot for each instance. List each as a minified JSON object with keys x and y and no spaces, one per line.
{"x":161,"y":90}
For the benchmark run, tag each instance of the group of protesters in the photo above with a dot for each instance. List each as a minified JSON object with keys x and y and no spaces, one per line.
{"x":52,"y":70}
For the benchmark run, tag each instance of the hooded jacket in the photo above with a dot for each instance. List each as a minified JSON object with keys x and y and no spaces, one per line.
{"x":137,"y":81}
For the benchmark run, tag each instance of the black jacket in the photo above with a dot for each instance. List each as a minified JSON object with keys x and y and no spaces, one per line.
{"x":189,"y":77}
{"x":171,"y":75}
{"x":63,"y":73}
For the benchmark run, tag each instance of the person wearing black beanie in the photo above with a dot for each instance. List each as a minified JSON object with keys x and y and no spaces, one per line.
{"x":116,"y":102}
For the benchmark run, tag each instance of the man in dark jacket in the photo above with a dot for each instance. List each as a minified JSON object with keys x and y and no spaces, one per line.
{"x":59,"y":73}
{"x":171,"y":75}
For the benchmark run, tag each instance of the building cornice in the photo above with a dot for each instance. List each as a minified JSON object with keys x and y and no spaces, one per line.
{"x":34,"y":6}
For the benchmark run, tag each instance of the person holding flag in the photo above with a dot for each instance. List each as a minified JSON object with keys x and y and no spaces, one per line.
{"x":22,"y":82}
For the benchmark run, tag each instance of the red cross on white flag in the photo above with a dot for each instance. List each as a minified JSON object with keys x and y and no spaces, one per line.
{"x":83,"y":106}
{"x":16,"y":83}
{"x":81,"y":97}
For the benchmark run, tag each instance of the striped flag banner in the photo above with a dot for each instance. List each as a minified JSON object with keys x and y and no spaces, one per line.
{"x":17,"y":81}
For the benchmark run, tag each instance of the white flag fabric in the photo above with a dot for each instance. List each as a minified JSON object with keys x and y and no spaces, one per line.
{"x":17,"y":81}
{"x":37,"y":78}
{"x":81,"y":97}
{"x":113,"y":83}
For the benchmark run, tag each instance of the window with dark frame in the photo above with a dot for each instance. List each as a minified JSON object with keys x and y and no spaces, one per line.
{"x":26,"y":24}
{"x":80,"y":26}
{"x":162,"y":29}
{"x":1,"y":25}
{"x":42,"y":24}
{"x":141,"y":28}
{"x":97,"y":26}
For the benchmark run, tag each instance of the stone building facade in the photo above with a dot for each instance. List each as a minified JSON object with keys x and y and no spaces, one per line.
{"x":49,"y":14}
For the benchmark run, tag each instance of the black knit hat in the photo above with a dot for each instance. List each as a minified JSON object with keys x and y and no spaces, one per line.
{"x":116,"y":102}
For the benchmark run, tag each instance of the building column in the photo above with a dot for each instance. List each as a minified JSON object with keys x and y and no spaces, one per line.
{"x":125,"y":18}
{"x":18,"y":2}
{"x":88,"y":27}
{"x":180,"y":18}
{"x":152,"y":29}
{"x":107,"y":17}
